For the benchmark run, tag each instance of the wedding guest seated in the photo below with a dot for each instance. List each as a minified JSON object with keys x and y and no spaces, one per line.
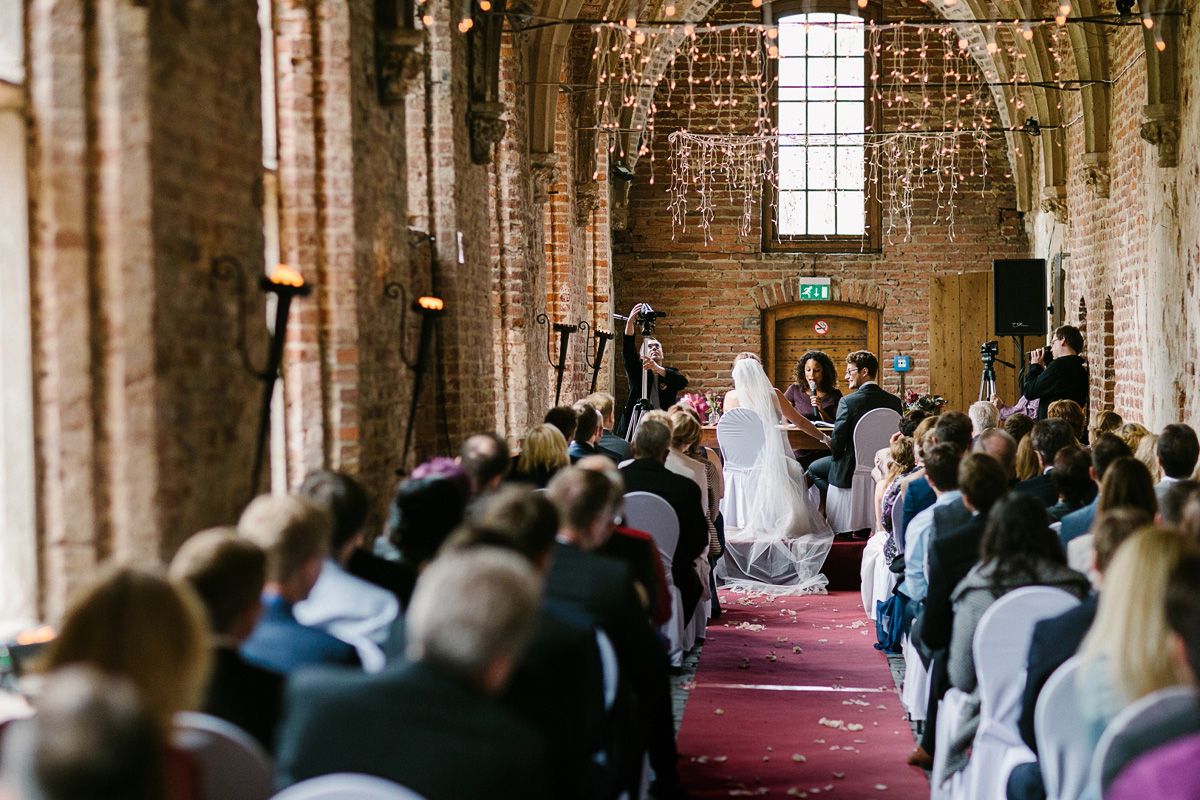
{"x":133,"y":623}
{"x":1018,"y":426}
{"x":648,"y":473}
{"x":1106,"y":448}
{"x":1172,"y":502}
{"x":984,"y":416}
{"x":1058,"y":638}
{"x":1176,"y":452}
{"x":543,"y":452}
{"x":1027,"y":465}
{"x":433,"y":722}
{"x":901,"y":464}
{"x":1127,"y":482}
{"x":588,"y":430}
{"x":228,"y":572}
{"x":1071,"y":413}
{"x":1107,"y":421}
{"x":423,"y":512}
{"x":92,"y":738}
{"x":557,"y":686}
{"x":922,"y":440}
{"x":1126,"y":653}
{"x":485,"y":459}
{"x":636,"y":549}
{"x":1072,"y":477}
{"x":564,"y":418}
{"x":354,"y":610}
{"x":294,"y":534}
{"x":941,"y":472}
{"x":952,"y":427}
{"x":1048,"y":437}
{"x":603,"y":589}
{"x":1132,"y":433}
{"x":814,"y":395}
{"x":1018,"y":549}
{"x":1160,"y":756}
{"x":1001,"y":446}
{"x":1147,"y":453}
{"x":609,"y":441}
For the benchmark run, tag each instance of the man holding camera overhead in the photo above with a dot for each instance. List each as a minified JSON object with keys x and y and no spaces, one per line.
{"x":662,"y":384}
{"x":1066,"y":377}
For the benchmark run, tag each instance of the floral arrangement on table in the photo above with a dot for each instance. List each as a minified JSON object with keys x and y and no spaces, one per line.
{"x":705,"y":404}
{"x":929,"y":403}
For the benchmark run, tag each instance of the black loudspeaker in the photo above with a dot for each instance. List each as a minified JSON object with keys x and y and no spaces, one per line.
{"x":1019,"y":296}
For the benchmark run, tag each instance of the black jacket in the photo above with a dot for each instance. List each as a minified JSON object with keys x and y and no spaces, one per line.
{"x":951,"y":557}
{"x":1040,"y":486}
{"x":409,"y":724}
{"x":669,"y":385}
{"x":1065,"y":379}
{"x":850,"y":410}
{"x":649,"y":475}
{"x":246,"y":695}
{"x":1054,"y":641}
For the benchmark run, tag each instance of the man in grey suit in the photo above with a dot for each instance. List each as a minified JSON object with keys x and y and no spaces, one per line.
{"x":837,"y":468}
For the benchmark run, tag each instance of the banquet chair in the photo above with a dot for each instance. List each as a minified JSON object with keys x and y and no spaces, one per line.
{"x":1001,"y":649}
{"x":347,"y":786}
{"x":741,"y":438}
{"x":650,"y":513}
{"x":878,"y":580}
{"x":854,"y":508}
{"x":232,"y":765}
{"x":1064,"y":754}
{"x":915,"y":692}
{"x":1143,"y":715}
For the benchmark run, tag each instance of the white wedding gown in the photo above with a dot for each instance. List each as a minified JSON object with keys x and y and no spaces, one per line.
{"x":778,"y":541}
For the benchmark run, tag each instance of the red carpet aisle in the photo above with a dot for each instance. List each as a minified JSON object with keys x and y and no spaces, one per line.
{"x":792,"y":700}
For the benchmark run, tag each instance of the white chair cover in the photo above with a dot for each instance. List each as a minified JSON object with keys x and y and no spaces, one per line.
{"x":949,"y":722}
{"x":854,"y":508}
{"x":347,"y":786}
{"x":650,"y":513}
{"x":233,"y":766}
{"x":872,"y":555}
{"x":741,"y":437}
{"x":1001,"y":648}
{"x":1144,"y":712}
{"x":915,"y":694}
{"x":1064,"y":754}
{"x":609,"y":667}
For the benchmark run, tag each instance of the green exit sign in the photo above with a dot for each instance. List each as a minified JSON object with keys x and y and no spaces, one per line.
{"x":814,"y":288}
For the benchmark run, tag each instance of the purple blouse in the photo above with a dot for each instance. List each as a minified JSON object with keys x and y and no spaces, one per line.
{"x":803,"y":405}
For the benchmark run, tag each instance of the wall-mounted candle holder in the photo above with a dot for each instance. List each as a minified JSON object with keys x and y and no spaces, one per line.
{"x":603,"y":337}
{"x":431,"y":309}
{"x":564,"y":332}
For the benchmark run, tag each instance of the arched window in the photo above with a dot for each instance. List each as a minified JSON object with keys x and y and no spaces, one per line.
{"x":824,"y":108}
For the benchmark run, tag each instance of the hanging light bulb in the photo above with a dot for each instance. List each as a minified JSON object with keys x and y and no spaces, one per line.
{"x":1027,"y":33}
{"x":756,"y":3}
{"x":1060,"y":20}
{"x":1064,"y":8}
{"x":485,"y":5}
{"x":689,"y":30}
{"x":631,"y":22}
{"x":669,"y":9}
{"x":1159,"y":44}
{"x":773,"y":52}
{"x":427,"y":20}
{"x":1148,"y":22}
{"x":963,"y":44}
{"x":772,"y":33}
{"x":862,"y":3}
{"x":639,"y":38}
{"x":465,"y":25}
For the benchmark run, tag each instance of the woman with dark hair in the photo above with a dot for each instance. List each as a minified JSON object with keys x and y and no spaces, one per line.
{"x":1127,"y":482}
{"x":814,"y":393}
{"x":1018,"y":549}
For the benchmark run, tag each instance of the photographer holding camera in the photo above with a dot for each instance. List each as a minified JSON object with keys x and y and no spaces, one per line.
{"x":1066,"y":377}
{"x":649,"y":380}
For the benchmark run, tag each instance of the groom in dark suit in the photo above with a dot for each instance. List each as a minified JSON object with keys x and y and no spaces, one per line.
{"x":837,"y":469}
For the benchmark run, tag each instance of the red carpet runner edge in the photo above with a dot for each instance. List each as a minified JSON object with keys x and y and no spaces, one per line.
{"x":792,"y":700}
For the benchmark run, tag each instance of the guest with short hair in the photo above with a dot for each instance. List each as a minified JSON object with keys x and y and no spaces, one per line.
{"x":486,"y":459}
{"x":431,"y":723}
{"x":1066,"y":377}
{"x":951,"y":427}
{"x":616,"y":446}
{"x":228,"y":572}
{"x":1001,"y":446}
{"x":1018,"y":426}
{"x":1071,"y":413}
{"x":1048,"y":437}
{"x":1173,"y":501}
{"x":984,"y":416}
{"x":941,"y":471}
{"x":588,"y":430}
{"x":424,"y":511}
{"x":354,"y":610}
{"x":564,"y":418}
{"x":92,"y":739}
{"x":1176,"y":452}
{"x":294,"y":534}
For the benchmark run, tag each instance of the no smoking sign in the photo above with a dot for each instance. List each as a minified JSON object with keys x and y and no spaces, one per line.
{"x":821,"y":327}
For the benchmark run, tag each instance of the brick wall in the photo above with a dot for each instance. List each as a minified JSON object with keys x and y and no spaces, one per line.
{"x":706,"y":288}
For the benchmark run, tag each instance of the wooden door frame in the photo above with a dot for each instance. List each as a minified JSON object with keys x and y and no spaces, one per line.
{"x":771,"y":317}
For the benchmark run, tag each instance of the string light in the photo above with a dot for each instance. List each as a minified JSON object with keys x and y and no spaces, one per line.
{"x":669,"y":9}
{"x":485,"y":5}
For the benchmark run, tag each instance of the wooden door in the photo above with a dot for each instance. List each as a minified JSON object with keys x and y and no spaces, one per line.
{"x":791,"y":330}
{"x":960,"y":321}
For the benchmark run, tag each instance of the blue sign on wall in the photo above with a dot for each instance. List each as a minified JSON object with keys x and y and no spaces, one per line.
{"x":902,"y":363}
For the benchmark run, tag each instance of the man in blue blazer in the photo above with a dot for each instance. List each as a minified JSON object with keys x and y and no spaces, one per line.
{"x":837,"y":468}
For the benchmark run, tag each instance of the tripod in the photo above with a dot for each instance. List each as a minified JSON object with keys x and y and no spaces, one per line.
{"x":987,"y":381}
{"x":642,"y":406}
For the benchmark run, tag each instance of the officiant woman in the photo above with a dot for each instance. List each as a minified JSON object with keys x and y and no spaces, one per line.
{"x":814,"y":395}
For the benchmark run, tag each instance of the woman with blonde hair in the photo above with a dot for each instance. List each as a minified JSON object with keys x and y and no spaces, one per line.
{"x":1126,"y":654}
{"x":1028,"y":465}
{"x":1107,"y":421}
{"x":1147,"y":453}
{"x":543,"y":453}
{"x":1131,"y":433}
{"x":903,"y":463}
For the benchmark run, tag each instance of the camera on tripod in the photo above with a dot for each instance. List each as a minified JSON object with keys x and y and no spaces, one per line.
{"x":647,"y":317}
{"x":988,"y":352}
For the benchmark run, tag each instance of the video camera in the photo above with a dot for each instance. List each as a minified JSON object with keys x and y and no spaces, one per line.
{"x":988,"y":352}
{"x":647,"y":317}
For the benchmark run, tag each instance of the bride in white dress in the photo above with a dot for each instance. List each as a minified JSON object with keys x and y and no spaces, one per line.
{"x":782,"y":539}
